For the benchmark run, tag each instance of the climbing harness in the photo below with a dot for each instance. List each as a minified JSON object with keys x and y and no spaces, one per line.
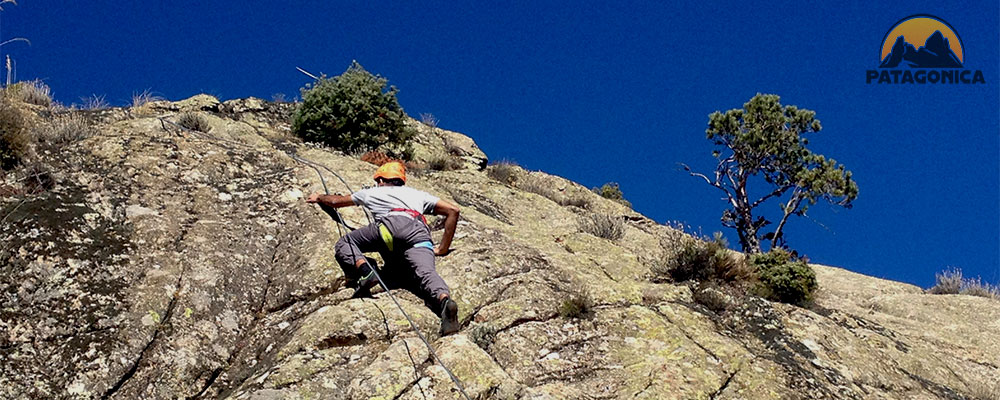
{"x":413,"y":213}
{"x":387,"y":235}
{"x":339,"y":219}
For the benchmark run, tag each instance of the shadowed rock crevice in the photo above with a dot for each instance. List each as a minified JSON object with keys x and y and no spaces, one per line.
{"x":167,"y":314}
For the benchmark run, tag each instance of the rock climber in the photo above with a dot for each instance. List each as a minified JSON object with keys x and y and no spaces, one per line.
{"x":401,"y":235}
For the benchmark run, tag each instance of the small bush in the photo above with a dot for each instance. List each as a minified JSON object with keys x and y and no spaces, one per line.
{"x":354,"y":112}
{"x":14,"y":138}
{"x":376,"y":157}
{"x":947,"y":282}
{"x":577,"y":306}
{"x":704,"y":261}
{"x":784,"y":278}
{"x":483,"y":335}
{"x":577,"y":200}
{"x":975,"y":287}
{"x":713,"y":298}
{"x":32,"y":92}
{"x":603,"y":226}
{"x":65,"y":129}
{"x":950,"y":281}
{"x":537,"y":186}
{"x":194,"y":122}
{"x":612,"y":191}
{"x":504,"y":171}
{"x":444,"y":163}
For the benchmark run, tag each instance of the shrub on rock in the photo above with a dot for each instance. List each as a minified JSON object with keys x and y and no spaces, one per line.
{"x":354,"y":112}
{"x":14,"y":138}
{"x":784,"y":278}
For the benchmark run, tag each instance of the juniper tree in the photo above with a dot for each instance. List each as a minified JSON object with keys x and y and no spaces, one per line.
{"x":355,"y":112}
{"x":763,"y":144}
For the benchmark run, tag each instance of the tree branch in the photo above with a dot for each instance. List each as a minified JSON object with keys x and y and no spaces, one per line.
{"x":702,"y":176}
{"x":716,"y":184}
{"x":790,"y":207}
{"x":777,"y":192}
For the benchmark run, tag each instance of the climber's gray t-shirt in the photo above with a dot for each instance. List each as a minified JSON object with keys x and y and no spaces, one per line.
{"x":382,"y":199}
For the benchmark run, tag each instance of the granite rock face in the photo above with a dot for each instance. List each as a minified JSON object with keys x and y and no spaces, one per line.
{"x":163,"y":263}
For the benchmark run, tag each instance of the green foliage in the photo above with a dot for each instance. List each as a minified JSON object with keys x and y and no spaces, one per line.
{"x":354,"y":112}
{"x":577,"y":305}
{"x":483,"y":335}
{"x":704,"y":261}
{"x":603,"y":226}
{"x":763,"y":143}
{"x":14,"y":138}
{"x":612,"y":191}
{"x":784,"y":278}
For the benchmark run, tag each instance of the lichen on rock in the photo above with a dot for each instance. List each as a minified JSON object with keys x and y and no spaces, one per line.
{"x":166,"y":263}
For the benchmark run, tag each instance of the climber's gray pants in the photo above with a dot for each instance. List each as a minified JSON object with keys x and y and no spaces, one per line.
{"x":410,"y":264}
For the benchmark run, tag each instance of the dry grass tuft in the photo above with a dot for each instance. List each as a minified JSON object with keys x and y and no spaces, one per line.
{"x":577,"y":200}
{"x":947,"y":282}
{"x":444,"y":163}
{"x":15,"y":143}
{"x":64,"y":130}
{"x":577,"y":306}
{"x":94,"y":102}
{"x":504,"y":171}
{"x":951,"y":281}
{"x":603,"y":226}
{"x":975,"y":287}
{"x":32,"y":92}
{"x":984,"y":390}
{"x":704,"y":260}
{"x":140,"y":99}
{"x":429,"y":120}
{"x":537,"y":186}
{"x":194,"y":122}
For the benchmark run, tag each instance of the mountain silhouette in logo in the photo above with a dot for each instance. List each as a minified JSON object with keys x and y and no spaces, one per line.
{"x":935,"y":53}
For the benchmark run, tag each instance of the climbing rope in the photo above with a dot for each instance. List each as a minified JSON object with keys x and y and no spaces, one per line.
{"x":340,"y":220}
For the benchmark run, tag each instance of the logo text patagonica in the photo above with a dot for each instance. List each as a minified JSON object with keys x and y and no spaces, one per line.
{"x":939,"y":59}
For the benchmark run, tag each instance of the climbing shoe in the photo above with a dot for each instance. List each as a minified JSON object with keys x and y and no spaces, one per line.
{"x":366,"y":281}
{"x":449,"y":317}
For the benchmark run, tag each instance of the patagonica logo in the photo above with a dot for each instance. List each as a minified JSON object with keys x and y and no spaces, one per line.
{"x":922,"y":49}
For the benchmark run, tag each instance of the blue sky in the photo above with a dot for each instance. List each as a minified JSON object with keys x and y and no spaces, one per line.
{"x":598,"y":92}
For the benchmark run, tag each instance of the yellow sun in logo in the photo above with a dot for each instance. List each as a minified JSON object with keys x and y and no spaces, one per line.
{"x":916,"y":29}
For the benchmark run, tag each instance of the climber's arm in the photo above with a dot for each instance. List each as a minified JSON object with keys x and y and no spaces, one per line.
{"x":450,"y":211}
{"x":332,"y":200}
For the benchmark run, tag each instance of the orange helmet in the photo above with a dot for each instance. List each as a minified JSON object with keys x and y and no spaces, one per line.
{"x":391,"y":170}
